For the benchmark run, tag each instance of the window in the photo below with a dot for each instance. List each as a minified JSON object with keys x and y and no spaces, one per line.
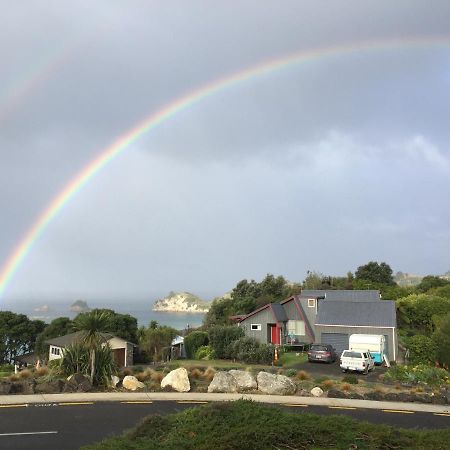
{"x":255,"y":327}
{"x":311,"y":302}
{"x":296,"y":327}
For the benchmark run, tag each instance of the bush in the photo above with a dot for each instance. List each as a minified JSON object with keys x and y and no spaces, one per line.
{"x":350,"y":379}
{"x":291,"y":373}
{"x":220,"y":338}
{"x":422,"y":349}
{"x":421,"y":373}
{"x":6,"y":368}
{"x":24,"y":374}
{"x":249,"y":350}
{"x":205,"y":352}
{"x":302,"y":375}
{"x":193,"y":341}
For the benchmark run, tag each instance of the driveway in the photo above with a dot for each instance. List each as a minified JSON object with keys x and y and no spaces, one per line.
{"x":333,"y":370}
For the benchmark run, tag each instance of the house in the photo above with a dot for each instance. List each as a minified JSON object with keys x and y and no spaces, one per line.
{"x":177,"y":349}
{"x":327,"y":317}
{"x":122,"y":350}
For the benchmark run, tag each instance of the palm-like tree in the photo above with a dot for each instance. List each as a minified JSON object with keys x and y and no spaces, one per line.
{"x":92,"y":324}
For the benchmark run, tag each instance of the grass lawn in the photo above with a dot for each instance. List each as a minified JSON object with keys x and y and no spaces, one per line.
{"x":218,"y":364}
{"x":248,"y":425}
{"x":289,"y":359}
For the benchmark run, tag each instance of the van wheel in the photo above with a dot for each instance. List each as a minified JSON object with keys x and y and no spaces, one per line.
{"x":366,"y":371}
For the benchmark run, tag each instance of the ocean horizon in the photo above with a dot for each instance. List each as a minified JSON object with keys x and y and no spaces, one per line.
{"x":140,"y":309}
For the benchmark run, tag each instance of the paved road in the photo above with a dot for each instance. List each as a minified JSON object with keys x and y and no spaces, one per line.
{"x":67,"y":426}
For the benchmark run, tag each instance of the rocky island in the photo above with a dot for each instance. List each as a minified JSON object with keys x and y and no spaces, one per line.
{"x":79,"y":306}
{"x":181,"y":302}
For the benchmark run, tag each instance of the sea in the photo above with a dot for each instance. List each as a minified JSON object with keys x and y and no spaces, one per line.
{"x":140,"y":309}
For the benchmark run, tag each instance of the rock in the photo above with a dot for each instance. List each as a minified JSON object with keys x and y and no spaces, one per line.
{"x":114,"y":381}
{"x":223,"y":382}
{"x":391,"y":397}
{"x":178,"y":380}
{"x":50,"y":387}
{"x":5,"y":387}
{"x":303,"y":393}
{"x":439,"y":399}
{"x":422,"y":398}
{"x":336,"y":393}
{"x":355,"y":396}
{"x":132,"y":383}
{"x":317,"y":392}
{"x":374,"y":395}
{"x":23,"y":387}
{"x":80,"y":382}
{"x":244,"y":380}
{"x":275,"y":384}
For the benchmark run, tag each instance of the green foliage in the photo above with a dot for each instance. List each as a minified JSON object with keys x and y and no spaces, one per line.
{"x":421,"y":373}
{"x":375,"y":272}
{"x":17,"y":335}
{"x":193,"y":341}
{"x":155,"y":341}
{"x":418,"y":310}
{"x":250,"y":351}
{"x":76,"y":359}
{"x":253,"y":426}
{"x":57,"y":327}
{"x":205,"y":352}
{"x":220,"y":338}
{"x":350,"y":379}
{"x":317,"y":280}
{"x":219,"y":312}
{"x":441,"y":338}
{"x":422,"y":349}
{"x":430,"y":282}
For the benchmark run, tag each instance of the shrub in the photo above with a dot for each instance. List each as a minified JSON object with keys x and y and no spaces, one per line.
{"x":302,"y":375}
{"x":196,"y":373}
{"x":422,"y":349}
{"x":209,"y":374}
{"x":291,"y":373}
{"x":193,"y":341}
{"x":41,"y":371}
{"x":205,"y":352}
{"x":6,"y":368}
{"x":24,"y":374}
{"x":350,"y":379}
{"x":142,"y":376}
{"x":156,"y":376}
{"x":421,"y":373}
{"x":220,"y":338}
{"x":345,"y":387}
{"x":13,"y":378}
{"x":249,"y":350}
{"x":126,"y":371}
{"x":327,"y":384}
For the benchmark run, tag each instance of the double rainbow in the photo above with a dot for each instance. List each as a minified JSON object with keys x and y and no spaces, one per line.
{"x":125,"y":141}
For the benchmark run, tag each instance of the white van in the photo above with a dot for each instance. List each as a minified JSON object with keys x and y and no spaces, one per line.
{"x":374,"y":343}
{"x":356,"y":361}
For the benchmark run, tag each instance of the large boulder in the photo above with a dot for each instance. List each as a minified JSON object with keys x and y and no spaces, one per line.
{"x":23,"y":387}
{"x":78,"y":383}
{"x":178,"y":380}
{"x":132,"y":383}
{"x":223,"y":382}
{"x":336,"y":393}
{"x":245,"y":381}
{"x":275,"y":384}
{"x":50,"y":387}
{"x":316,"y":392}
{"x":5,"y":387}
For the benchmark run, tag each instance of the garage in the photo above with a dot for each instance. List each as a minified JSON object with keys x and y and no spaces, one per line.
{"x":338,"y":340}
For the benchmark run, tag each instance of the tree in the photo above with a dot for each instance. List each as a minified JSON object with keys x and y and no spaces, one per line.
{"x":375,"y":272}
{"x":422,"y":349}
{"x":431,"y":282}
{"x":92,"y":324}
{"x":441,"y":338}
{"x":156,"y":339}
{"x":193,"y":341}
{"x":220,"y":338}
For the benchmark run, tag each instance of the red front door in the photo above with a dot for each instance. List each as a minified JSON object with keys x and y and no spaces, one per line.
{"x":274,"y":334}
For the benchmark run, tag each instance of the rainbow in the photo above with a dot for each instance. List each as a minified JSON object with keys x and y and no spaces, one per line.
{"x":124,"y":142}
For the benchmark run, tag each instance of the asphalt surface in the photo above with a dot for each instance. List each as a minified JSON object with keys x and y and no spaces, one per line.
{"x":325,"y":369}
{"x":69,"y":425}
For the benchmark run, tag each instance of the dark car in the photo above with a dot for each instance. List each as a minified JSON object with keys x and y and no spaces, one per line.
{"x":322,"y":352}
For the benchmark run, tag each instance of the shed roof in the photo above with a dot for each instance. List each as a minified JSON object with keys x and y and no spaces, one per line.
{"x":368,"y":295}
{"x":67,"y":339}
{"x":375,"y":314}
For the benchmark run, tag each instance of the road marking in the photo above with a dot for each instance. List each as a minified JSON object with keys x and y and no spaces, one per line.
{"x":23,"y":405}
{"x":190,"y":401}
{"x":294,"y":405}
{"x":442,"y":414}
{"x":342,"y":407}
{"x":28,"y":433}
{"x":75,"y":403}
{"x":397,"y":411}
{"x":138,"y":402}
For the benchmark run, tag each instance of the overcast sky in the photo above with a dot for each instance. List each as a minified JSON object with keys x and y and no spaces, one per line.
{"x":319,"y":166}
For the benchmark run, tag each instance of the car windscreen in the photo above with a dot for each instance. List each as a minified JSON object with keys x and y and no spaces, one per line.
{"x":318,"y":348}
{"x":352,"y":355}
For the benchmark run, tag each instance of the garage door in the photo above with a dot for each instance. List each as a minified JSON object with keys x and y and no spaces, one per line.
{"x":338,"y":340}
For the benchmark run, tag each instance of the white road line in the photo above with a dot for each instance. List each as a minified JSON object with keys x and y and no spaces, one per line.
{"x":28,"y":433}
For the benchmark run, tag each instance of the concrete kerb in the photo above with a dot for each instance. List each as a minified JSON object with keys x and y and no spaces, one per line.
{"x":206,"y":397}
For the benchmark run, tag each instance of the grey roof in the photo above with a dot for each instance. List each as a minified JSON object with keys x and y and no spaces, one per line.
{"x":376,"y":314}
{"x":279,"y":312}
{"x":67,"y":339}
{"x":368,"y":295}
